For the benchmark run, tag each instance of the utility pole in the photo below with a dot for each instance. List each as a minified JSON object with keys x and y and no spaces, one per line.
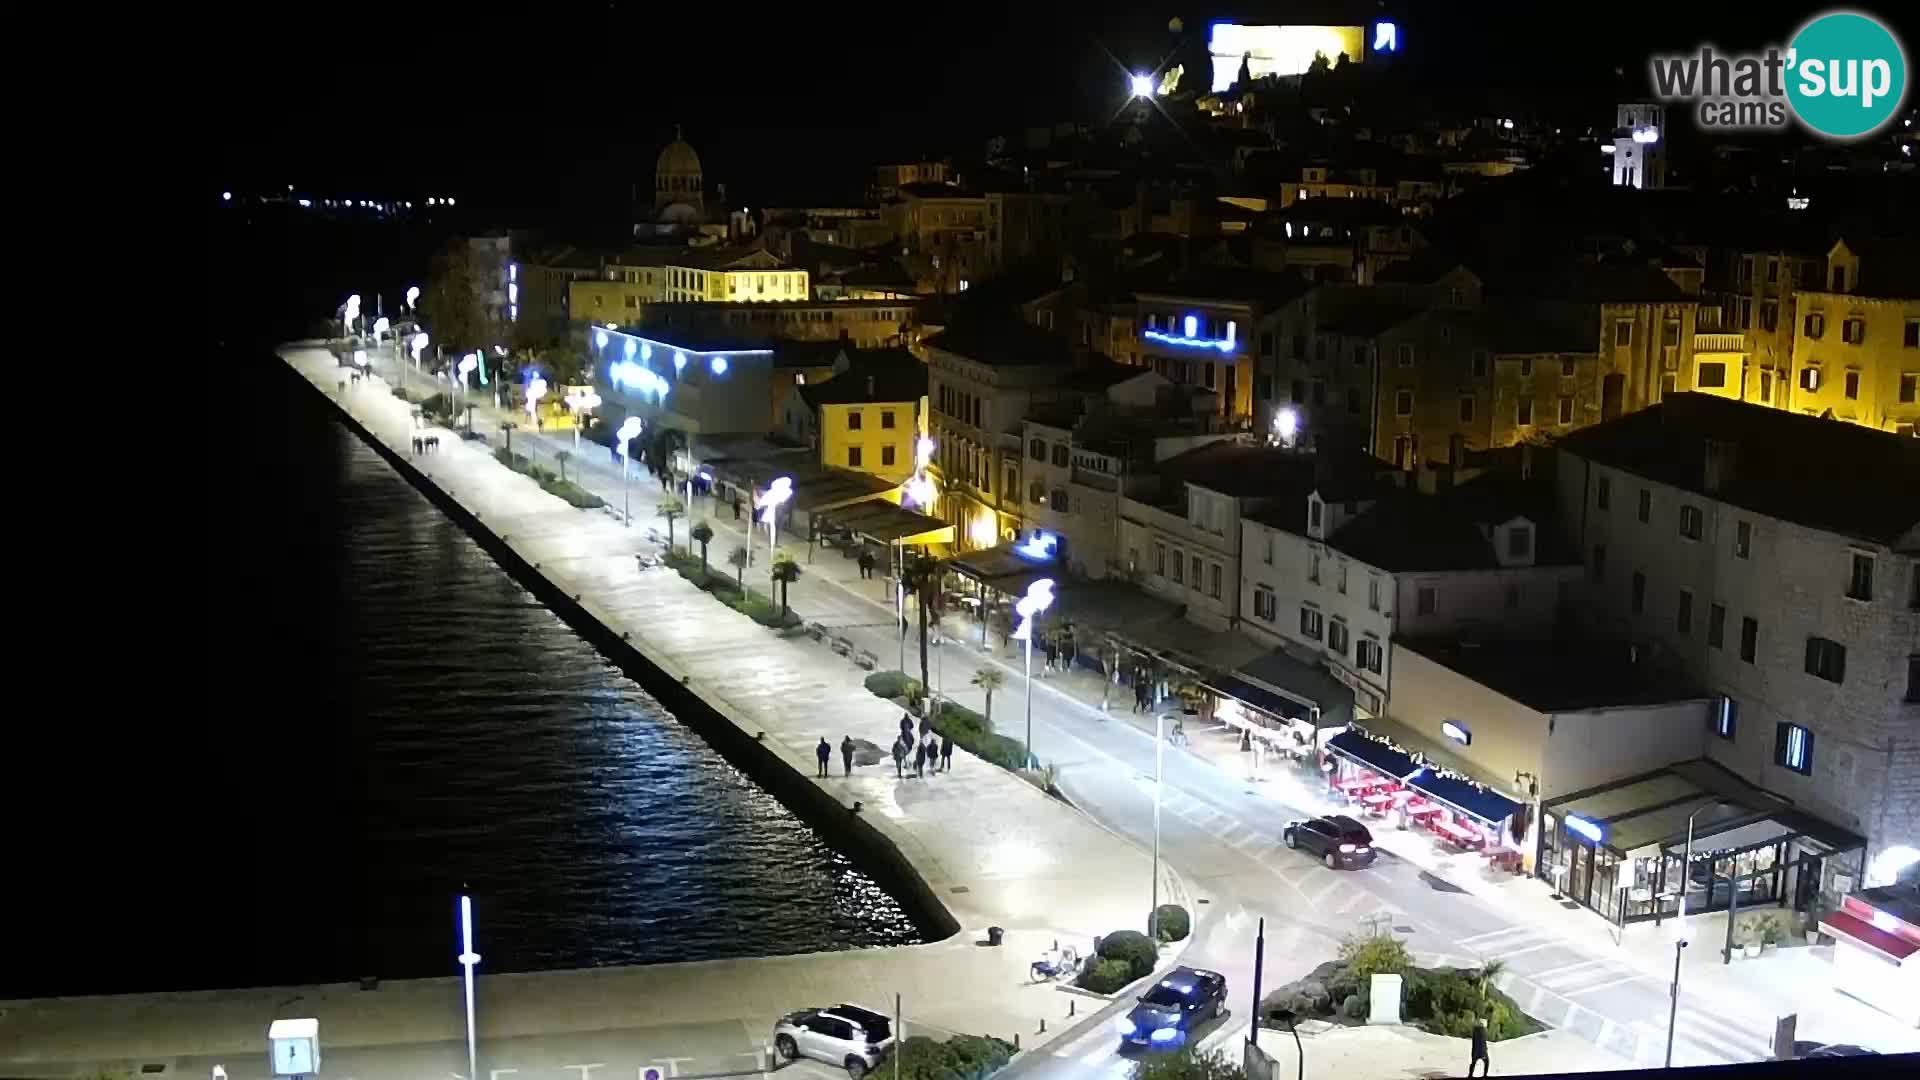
{"x":1673,"y":1006}
{"x":1259,"y":967}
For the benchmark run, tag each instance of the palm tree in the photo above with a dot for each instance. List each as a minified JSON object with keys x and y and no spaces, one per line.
{"x":737,"y":558}
{"x":989,"y":679}
{"x":702,"y":534}
{"x":921,"y":576}
{"x":563,"y":456}
{"x":785,"y":573}
{"x":1489,"y":971}
{"x":670,"y":507}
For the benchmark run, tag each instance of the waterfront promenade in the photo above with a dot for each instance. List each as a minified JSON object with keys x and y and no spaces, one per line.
{"x":992,"y":849}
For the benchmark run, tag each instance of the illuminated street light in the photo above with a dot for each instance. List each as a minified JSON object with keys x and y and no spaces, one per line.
{"x":413,"y":295}
{"x":1141,"y":85}
{"x":599,"y":339}
{"x":1286,"y":424}
{"x":467,"y":364}
{"x":536,"y":389}
{"x":418,"y":345}
{"x":468,"y":959}
{"x":920,"y":490}
{"x":380,"y":327}
{"x":769,"y":502}
{"x":628,"y":431}
{"x":1039,"y":598}
{"x":580,"y":401}
{"x":351,"y":314}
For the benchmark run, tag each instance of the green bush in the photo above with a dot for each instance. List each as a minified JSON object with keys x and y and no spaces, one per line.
{"x":970,"y":730}
{"x":1188,"y":1064}
{"x":574,"y":494}
{"x":891,"y":684}
{"x":1365,"y":956}
{"x":401,"y":393}
{"x":1105,"y":976}
{"x":726,"y":590}
{"x":1133,"y":947}
{"x":1172,"y":922}
{"x":962,"y":1057}
{"x":1446,"y":1001}
{"x":438,"y":407}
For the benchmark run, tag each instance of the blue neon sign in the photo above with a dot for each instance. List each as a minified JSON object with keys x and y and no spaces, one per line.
{"x":1192,"y":339}
{"x":1386,"y":37}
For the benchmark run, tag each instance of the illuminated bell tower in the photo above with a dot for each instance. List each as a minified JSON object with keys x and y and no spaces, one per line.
{"x":1640,"y":146}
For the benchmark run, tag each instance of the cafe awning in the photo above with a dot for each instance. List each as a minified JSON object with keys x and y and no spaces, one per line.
{"x":1371,"y":753}
{"x":1469,"y":798}
{"x":883,"y":522}
{"x":1258,"y":697}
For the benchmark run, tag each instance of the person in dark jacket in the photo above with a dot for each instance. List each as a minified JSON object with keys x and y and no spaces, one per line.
{"x":946,"y":753}
{"x":932,"y":747}
{"x":846,"y":755}
{"x":906,"y":726}
{"x":919,"y":760}
{"x":823,"y":753}
{"x":900,"y":758}
{"x":1480,"y":1057}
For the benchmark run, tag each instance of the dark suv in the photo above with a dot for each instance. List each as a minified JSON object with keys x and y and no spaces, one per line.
{"x":1337,"y":839}
{"x":1168,"y":1012}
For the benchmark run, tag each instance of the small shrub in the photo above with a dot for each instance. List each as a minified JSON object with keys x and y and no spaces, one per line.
{"x":1188,"y":1064}
{"x":1106,"y":976}
{"x":1365,"y":956}
{"x":1318,"y":1000}
{"x":891,"y":684}
{"x":1133,"y":947}
{"x":962,"y":1057}
{"x":1172,"y":922}
{"x":1353,"y":1008}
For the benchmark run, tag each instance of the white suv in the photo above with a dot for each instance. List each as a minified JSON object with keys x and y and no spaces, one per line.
{"x":845,"y":1035}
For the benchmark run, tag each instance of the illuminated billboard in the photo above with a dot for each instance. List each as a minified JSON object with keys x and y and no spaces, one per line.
{"x":1278,"y":50}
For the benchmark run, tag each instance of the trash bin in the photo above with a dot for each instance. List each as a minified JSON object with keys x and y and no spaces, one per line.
{"x":994,"y":934}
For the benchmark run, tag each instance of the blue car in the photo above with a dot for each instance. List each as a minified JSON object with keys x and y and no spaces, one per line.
{"x":1172,"y":1008}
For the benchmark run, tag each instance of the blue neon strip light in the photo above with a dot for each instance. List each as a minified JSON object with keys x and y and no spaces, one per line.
{"x":1222,"y":344}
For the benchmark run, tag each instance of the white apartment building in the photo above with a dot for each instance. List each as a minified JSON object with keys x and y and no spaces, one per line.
{"x":1775,"y":559}
{"x":1340,"y":576}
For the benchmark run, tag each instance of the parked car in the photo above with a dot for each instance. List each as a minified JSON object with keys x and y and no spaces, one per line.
{"x":1338,"y":839}
{"x":846,"y":1035}
{"x":1169,"y":1011}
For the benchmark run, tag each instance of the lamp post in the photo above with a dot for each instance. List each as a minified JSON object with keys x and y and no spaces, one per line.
{"x":628,"y":430}
{"x":1673,"y":1006}
{"x":1285,"y":1016}
{"x":536,"y":389}
{"x":419,"y":345}
{"x":468,"y":958}
{"x":1680,"y":927}
{"x":1159,"y":758}
{"x":467,"y":364}
{"x":581,"y":401}
{"x":1039,"y":598}
{"x":413,"y":295}
{"x":769,"y":502}
{"x":1286,"y":425}
{"x":349,"y":315}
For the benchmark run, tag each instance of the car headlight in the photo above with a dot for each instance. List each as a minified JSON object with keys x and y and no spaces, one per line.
{"x":1125,"y":1024}
{"x":1165,"y":1034}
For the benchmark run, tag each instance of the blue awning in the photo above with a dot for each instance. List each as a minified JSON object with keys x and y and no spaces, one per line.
{"x":1259,"y":697}
{"x":1372,"y":753}
{"x":1464,"y":797}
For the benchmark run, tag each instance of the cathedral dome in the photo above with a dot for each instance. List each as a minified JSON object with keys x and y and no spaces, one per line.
{"x":678,"y":159}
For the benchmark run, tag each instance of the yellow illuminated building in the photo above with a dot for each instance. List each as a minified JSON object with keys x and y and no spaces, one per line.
{"x":871,"y":414}
{"x":687,"y":275}
{"x":1856,"y":345}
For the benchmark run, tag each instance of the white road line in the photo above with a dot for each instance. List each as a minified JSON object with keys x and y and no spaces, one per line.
{"x":1514,"y":932}
{"x":1508,"y":954}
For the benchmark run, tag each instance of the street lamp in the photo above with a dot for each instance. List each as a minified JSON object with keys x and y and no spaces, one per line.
{"x":630,"y":428}
{"x":1039,"y":598}
{"x":536,"y":389}
{"x":467,"y":364}
{"x":1159,"y":759}
{"x":1680,"y":926}
{"x":418,"y":345}
{"x":1285,"y":1016}
{"x":350,"y":315}
{"x":413,"y":295}
{"x":468,"y":958}
{"x":777,"y":493}
{"x":580,"y":401}
{"x":380,"y":327}
{"x":1286,"y":425}
{"x":1141,"y":85}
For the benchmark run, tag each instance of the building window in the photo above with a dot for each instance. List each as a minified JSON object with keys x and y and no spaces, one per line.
{"x":1909,"y":386}
{"x":886,"y":455}
{"x":1179,"y":567}
{"x":1622,"y":333}
{"x":1213,"y":580}
{"x":853,"y":457}
{"x":1810,"y":379}
{"x":1058,"y":501}
{"x":1196,"y":573}
{"x":886,"y":419}
{"x":1599,"y":562}
{"x":1712,"y":373}
{"x":1639,"y":600}
{"x":1523,"y":412}
{"x":1403,"y":403}
{"x":1913,"y":677}
{"x":1337,"y":638}
{"x":1373,"y":593}
{"x":1793,"y":748}
{"x":1645,"y":513}
{"x":1037,"y":449}
{"x":1263,"y":603}
{"x":1340,"y":578}
{"x":1749,"y":639}
{"x":1853,"y":331}
{"x":1426,"y":599}
{"x":1853,"y":386}
{"x":1466,"y":410}
{"x":1814,"y":325}
{"x":1526,"y":367}
{"x":1520,"y":542}
{"x":1062,"y":456}
{"x":1603,"y":493}
{"x":1726,"y":716}
{"x":1479,"y":363}
{"x":1683,"y":616}
{"x":1367,"y":652}
{"x":1310,"y":623}
{"x":1691,"y":522}
{"x":1769,"y":314}
{"x":1860,"y":577}
{"x":1356,"y":404}
{"x":1160,"y":559}
{"x":1766,"y":388}
{"x":1267,"y":548}
{"x":853,"y":419}
{"x":1742,"y":539}
{"x":1566,"y":408}
{"x":1405,"y":353}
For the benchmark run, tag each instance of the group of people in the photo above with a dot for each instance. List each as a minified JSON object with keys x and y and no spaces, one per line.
{"x":928,"y":751}
{"x":1143,"y":695}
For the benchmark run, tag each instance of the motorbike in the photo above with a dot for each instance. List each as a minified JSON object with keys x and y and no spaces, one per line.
{"x":1056,"y":963}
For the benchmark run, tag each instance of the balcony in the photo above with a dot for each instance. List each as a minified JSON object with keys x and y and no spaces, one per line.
{"x":1720,"y":343}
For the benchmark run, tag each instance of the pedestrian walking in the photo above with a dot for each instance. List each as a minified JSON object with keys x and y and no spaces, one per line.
{"x":1480,"y":1057}
{"x":824,"y":753}
{"x":926,"y":725}
{"x":846,"y":755}
{"x":736,"y":506}
{"x":900,"y":758}
{"x":1053,"y":655}
{"x":931,"y":747}
{"x":919,"y":760}
{"x":906,"y":726}
{"x":946,"y":753}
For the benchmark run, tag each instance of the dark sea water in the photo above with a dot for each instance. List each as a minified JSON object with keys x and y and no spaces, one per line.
{"x":389,"y":715}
